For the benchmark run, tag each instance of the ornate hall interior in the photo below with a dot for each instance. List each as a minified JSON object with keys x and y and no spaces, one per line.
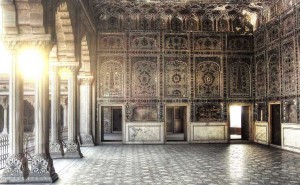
{"x":149,"y":91}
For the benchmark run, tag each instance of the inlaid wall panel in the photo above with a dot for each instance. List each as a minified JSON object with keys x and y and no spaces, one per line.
{"x":261,"y":76}
{"x":176,"y":76}
{"x":110,"y":42}
{"x":144,"y":41}
{"x":274,"y":73}
{"x":208,"y":77}
{"x":112,"y":76}
{"x":144,"y":81}
{"x":239,"y":77}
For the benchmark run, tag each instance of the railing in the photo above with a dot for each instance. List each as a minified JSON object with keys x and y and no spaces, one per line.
{"x":3,"y":149}
{"x":29,"y":145}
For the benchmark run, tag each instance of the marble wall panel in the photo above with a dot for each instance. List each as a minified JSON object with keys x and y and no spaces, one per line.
{"x":261,"y":132}
{"x":290,"y":138}
{"x":144,"y":133}
{"x":209,"y":132}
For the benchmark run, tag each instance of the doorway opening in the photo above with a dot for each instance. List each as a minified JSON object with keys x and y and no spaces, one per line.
{"x":176,"y":123}
{"x":275,"y":124}
{"x":111,"y":122}
{"x":239,"y":122}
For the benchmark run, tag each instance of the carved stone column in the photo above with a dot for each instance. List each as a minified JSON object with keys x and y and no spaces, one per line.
{"x":72,"y":148}
{"x":56,"y":147}
{"x":86,"y":110}
{"x":16,"y":165}
{"x":64,"y":103}
{"x":42,"y":169}
{"x":4,"y":103}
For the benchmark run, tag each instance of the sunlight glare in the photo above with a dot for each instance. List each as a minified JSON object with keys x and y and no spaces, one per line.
{"x":5,"y":60}
{"x":235,"y":116}
{"x":31,"y":63}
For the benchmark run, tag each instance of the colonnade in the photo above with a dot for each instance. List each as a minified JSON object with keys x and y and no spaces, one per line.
{"x":42,"y":169}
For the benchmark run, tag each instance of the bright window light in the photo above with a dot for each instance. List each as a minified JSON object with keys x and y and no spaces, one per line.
{"x":5,"y":60}
{"x":31,"y":63}
{"x":235,"y":116}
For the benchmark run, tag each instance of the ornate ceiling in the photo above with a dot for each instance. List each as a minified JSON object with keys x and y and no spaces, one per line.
{"x":181,"y":8}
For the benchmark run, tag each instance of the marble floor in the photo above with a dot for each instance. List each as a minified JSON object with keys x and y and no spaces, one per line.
{"x":209,"y":164}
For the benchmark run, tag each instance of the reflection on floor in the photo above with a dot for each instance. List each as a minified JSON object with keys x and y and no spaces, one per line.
{"x":219,"y":164}
{"x":175,"y":137}
{"x":233,"y":136}
{"x":112,"y":137}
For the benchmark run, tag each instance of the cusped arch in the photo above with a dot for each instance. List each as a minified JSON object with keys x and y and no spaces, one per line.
{"x":64,"y":34}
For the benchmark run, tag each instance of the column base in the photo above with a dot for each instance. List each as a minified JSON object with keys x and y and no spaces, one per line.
{"x":87,"y":140}
{"x":56,"y":150}
{"x":15,"y":170}
{"x":73,"y":150}
{"x":42,"y":170}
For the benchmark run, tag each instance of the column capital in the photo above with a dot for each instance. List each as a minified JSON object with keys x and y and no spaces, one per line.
{"x":4,"y":101}
{"x":18,"y":42}
{"x":85,"y":79}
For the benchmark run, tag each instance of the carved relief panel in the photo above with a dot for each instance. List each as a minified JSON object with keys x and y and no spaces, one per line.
{"x":261,"y":76}
{"x":239,"y":43}
{"x":274,"y":73}
{"x":111,"y":42}
{"x":144,"y":41}
{"x":289,"y":69}
{"x":259,"y":39}
{"x":208,"y":77}
{"x":176,"y":77}
{"x":207,"y":43}
{"x":273,"y":31}
{"x":240,"y":79}
{"x":288,"y":23}
{"x":111,"y":76}
{"x":142,"y":112}
{"x":290,"y":111}
{"x":144,"y":78}
{"x":176,"y":42}
{"x":209,"y":112}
